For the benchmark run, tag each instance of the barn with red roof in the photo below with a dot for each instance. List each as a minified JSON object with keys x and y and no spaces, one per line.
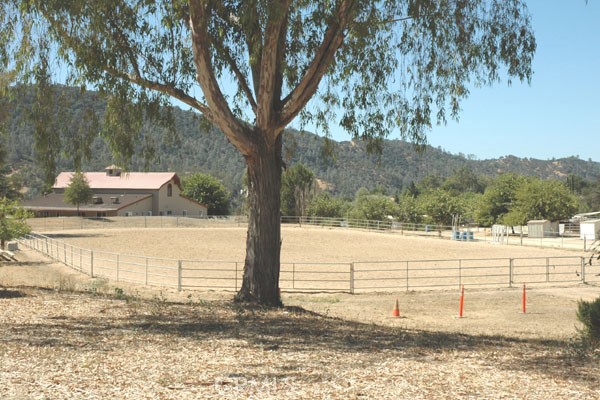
{"x":120,"y":193}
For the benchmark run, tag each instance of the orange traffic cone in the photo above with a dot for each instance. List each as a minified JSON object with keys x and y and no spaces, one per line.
{"x":396,"y":311}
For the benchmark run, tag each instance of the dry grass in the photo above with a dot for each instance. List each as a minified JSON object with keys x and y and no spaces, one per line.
{"x":141,"y":343}
{"x":61,"y":345}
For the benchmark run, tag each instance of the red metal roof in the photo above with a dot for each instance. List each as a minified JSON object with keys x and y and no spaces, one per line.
{"x":127,"y":180}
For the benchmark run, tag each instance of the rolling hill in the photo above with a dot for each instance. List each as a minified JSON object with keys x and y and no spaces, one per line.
{"x":201,"y":148}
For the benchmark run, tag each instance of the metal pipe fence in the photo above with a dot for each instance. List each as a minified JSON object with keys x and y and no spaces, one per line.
{"x":350,"y":277}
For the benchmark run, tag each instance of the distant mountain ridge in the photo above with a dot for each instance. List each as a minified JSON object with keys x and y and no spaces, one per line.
{"x":201,"y":148}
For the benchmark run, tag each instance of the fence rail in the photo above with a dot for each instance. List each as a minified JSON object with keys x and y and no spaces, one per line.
{"x":351,"y":277}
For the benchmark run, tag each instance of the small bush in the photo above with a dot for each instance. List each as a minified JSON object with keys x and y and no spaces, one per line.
{"x":66,"y":283}
{"x":588,"y":313}
{"x":120,"y":294}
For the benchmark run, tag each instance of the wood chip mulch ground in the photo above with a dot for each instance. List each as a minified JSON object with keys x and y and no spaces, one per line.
{"x":57,"y":345}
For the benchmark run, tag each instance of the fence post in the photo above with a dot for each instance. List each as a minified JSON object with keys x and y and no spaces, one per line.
{"x":294,"y":276}
{"x":460,"y":272}
{"x":236,"y":276}
{"x":179,"y":275}
{"x":520,"y":235}
{"x":547,"y":269}
{"x":407,"y":287}
{"x":351,"y":278}
{"x":510,"y":272}
{"x":91,"y":264}
{"x":583,"y":269}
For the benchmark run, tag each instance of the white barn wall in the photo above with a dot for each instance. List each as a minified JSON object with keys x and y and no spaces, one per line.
{"x":139,"y":208}
{"x":176,"y":204}
{"x":590,"y":230}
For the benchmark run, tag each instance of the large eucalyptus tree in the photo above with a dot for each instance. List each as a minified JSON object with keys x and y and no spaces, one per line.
{"x":253,"y":66}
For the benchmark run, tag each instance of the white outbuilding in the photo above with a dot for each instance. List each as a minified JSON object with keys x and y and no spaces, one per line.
{"x":542,"y":228}
{"x":589,"y":229}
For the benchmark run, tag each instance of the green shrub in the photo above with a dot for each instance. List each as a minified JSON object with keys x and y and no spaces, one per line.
{"x":588,"y":313}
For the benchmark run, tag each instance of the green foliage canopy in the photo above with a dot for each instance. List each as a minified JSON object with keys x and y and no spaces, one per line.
{"x":276,"y":54}
{"x":297,"y":189}
{"x":9,"y":186}
{"x":78,"y":191}
{"x":326,"y":206}
{"x":373,"y":206}
{"x":588,"y":313}
{"x":439,"y":206}
{"x":538,"y":199}
{"x":408,"y":209}
{"x":499,"y":198}
{"x":13,"y":220}
{"x":209,"y":191}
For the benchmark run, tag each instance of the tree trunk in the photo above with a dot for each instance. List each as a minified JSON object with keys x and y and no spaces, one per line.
{"x":263,"y":244}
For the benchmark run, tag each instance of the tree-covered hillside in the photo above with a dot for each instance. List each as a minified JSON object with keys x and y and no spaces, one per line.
{"x":198,"y":147}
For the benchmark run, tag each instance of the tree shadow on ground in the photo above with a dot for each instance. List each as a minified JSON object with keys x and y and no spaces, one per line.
{"x":73,"y":235}
{"x":290,"y":329}
{"x":10,"y":293}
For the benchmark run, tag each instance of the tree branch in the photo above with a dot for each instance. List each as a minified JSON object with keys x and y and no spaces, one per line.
{"x":233,"y":134}
{"x":179,"y":94}
{"x":253,"y":35}
{"x":224,"y":13}
{"x":269,"y":66}
{"x":304,"y":91}
{"x":201,"y":43}
{"x":238,"y":74}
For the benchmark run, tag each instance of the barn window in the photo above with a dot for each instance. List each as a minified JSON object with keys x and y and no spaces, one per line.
{"x":169,"y":190}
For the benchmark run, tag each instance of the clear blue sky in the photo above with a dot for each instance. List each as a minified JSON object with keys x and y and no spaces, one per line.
{"x":558,"y":115}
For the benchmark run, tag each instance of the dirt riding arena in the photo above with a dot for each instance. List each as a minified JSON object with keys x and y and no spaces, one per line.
{"x":153,"y":342}
{"x":313,"y":259}
{"x":300,"y":244}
